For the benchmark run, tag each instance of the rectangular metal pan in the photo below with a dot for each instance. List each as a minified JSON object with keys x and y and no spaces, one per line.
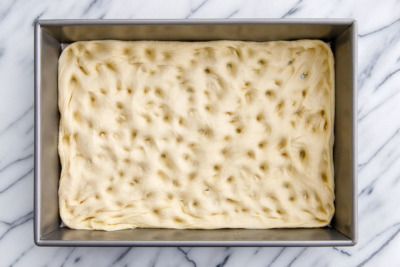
{"x":50,"y":35}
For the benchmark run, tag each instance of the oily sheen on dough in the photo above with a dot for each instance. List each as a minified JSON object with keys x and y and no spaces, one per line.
{"x":222,"y":134}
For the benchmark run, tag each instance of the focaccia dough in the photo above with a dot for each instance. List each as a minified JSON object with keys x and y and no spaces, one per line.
{"x":223,"y":134}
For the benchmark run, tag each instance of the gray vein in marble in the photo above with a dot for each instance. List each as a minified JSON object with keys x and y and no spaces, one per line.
{"x":297,"y":256}
{"x":18,"y":222}
{"x":380,"y":104}
{"x":68,"y":256}
{"x":155,"y":259}
{"x":193,"y":11}
{"x":368,"y":70}
{"x":21,"y":255}
{"x":370,"y":186}
{"x":77,"y":259}
{"x":7,"y":10}
{"x":29,"y":130}
{"x":232,"y":14}
{"x":17,"y":181}
{"x":91,"y":4}
{"x":385,"y":79}
{"x":380,"y":29}
{"x":121,"y":256}
{"x":277,"y":256}
{"x":380,"y":248}
{"x":16,"y":161}
{"x":388,"y":141}
{"x":293,"y":9}
{"x":342,"y":251}
{"x":28,"y":146}
{"x":396,"y":225}
{"x":187,"y":257}
{"x":317,"y":263}
{"x":28,"y":111}
{"x":224,"y":261}
{"x":257,"y":250}
{"x":38,"y":17}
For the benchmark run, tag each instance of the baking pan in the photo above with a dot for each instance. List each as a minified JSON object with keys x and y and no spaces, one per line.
{"x":51,"y":35}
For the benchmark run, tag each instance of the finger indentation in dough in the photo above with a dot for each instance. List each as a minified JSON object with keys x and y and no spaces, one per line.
{"x":119,"y":105}
{"x":158,"y":92}
{"x":167,"y":55}
{"x":263,"y":167}
{"x":251,"y":154}
{"x":207,"y":132}
{"x":217,"y":167}
{"x":270,"y":93}
{"x":111,"y":66}
{"x":302,"y":154}
{"x":225,"y":151}
{"x":162,"y":175}
{"x":262,"y":144}
{"x":282,"y":143}
{"x":150,"y":54}
{"x":75,"y":137}
{"x":192,"y":176}
{"x":110,"y":189}
{"x":176,"y":183}
{"x":235,"y":51}
{"x":83,"y":70}
{"x":208,"y":108}
{"x":250,"y":52}
{"x":279,"y":107}
{"x":127,"y":51}
{"x":324,"y":177}
{"x":77,"y":116}
{"x":90,"y":124}
{"x":179,"y":220}
{"x":65,"y":140}
{"x":248,"y":96}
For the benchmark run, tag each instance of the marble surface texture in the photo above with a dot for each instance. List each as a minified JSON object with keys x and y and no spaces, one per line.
{"x":378,"y":133}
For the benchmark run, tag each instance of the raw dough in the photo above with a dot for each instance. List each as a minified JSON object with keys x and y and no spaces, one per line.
{"x":223,"y":134}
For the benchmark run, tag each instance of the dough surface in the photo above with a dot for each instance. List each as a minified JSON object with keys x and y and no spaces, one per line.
{"x":223,"y":134}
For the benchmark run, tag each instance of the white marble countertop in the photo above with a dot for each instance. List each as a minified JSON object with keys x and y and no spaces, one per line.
{"x":378,"y":133}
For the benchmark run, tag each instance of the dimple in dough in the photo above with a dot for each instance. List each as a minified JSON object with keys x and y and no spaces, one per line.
{"x":223,"y":134}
